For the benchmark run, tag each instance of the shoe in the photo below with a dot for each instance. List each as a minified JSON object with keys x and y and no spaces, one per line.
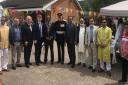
{"x":84,"y":65}
{"x":79,"y":64}
{"x":37,"y":64}
{"x":58,"y":62}
{"x":27,"y":66}
{"x":52,"y":63}
{"x":93,"y":70}
{"x":18,"y":65}
{"x":90,"y":67}
{"x":69,"y":63}
{"x":6,"y":70}
{"x":62,"y":63}
{"x":14,"y":68}
{"x":109,"y":73}
{"x":1,"y":72}
{"x":45,"y":62}
{"x":72,"y":66}
{"x":122,"y":81}
{"x":100,"y":70}
{"x":30,"y":63}
{"x":41,"y":62}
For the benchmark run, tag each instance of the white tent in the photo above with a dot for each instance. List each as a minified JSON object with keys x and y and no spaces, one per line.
{"x":118,"y":9}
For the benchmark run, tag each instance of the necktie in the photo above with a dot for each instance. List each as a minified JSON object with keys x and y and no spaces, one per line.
{"x":91,"y":33}
{"x":40,"y":27}
{"x":30,"y":27}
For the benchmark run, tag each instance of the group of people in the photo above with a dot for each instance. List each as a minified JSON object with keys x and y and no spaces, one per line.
{"x":93,"y":43}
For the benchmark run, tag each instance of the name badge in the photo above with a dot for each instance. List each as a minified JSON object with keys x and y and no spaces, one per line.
{"x":62,"y":25}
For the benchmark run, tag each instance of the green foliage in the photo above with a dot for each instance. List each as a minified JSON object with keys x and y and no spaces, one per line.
{"x":97,"y":4}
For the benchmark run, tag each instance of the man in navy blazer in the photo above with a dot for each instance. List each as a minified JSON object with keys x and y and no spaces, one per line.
{"x":27,"y":35}
{"x":71,"y":38}
{"x":39,"y":32}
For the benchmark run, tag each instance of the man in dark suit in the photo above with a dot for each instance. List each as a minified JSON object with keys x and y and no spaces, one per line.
{"x":27,"y":35}
{"x":60,"y":28}
{"x":71,"y":38}
{"x":38,"y":33}
{"x":49,"y":39}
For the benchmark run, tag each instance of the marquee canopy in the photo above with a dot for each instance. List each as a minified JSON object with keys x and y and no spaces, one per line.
{"x":118,"y":9}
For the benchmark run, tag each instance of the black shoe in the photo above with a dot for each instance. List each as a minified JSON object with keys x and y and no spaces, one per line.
{"x":122,"y":81}
{"x":6,"y":70}
{"x":27,"y":66}
{"x":45,"y":62}
{"x":52,"y":63}
{"x":18,"y":65}
{"x":14,"y":68}
{"x":93,"y":70}
{"x":84,"y":65}
{"x":30,"y":63}
{"x":62,"y":63}
{"x":1,"y":72}
{"x":109,"y":73}
{"x":79,"y":64}
{"x":37,"y":64}
{"x":90,"y":67}
{"x":58,"y":62}
{"x":72,"y":66}
{"x":69,"y":63}
{"x":100,"y":70}
{"x":40,"y":62}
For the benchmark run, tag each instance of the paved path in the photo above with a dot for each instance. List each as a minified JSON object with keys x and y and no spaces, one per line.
{"x":58,"y":75}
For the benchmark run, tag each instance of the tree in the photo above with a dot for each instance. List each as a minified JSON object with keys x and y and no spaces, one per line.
{"x":97,"y":4}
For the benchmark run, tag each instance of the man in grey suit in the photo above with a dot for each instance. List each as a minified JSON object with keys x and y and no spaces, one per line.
{"x":71,"y":38}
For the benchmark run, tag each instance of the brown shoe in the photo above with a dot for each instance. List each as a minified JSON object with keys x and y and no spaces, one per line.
{"x":6,"y":70}
{"x":1,"y":73}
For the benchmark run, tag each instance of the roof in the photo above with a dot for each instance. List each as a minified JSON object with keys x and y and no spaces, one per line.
{"x":32,"y":4}
{"x":21,"y":4}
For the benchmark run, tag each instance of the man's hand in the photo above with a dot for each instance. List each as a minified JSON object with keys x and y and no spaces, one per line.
{"x":64,"y":43}
{"x":103,"y":45}
{"x":26,"y":43}
{"x":35,"y":41}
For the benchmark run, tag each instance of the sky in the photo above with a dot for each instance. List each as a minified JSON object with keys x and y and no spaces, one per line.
{"x":2,"y":0}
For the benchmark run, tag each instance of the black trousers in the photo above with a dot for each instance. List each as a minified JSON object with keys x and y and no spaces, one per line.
{"x":71,"y":53}
{"x":60,"y":47}
{"x":124,"y":69}
{"x":27,"y":53}
{"x":49,"y":43}
{"x":38,"y":47}
{"x":60,"y":39}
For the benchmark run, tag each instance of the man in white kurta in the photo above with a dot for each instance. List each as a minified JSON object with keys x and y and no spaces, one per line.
{"x":91,"y":32}
{"x":4,"y":33}
{"x":81,"y":43}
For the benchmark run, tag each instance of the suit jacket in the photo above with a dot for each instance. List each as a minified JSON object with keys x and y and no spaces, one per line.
{"x":27,"y":34}
{"x":36,"y":32}
{"x":87,"y":37}
{"x":49,"y":32}
{"x":12,"y":35}
{"x":71,"y":33}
